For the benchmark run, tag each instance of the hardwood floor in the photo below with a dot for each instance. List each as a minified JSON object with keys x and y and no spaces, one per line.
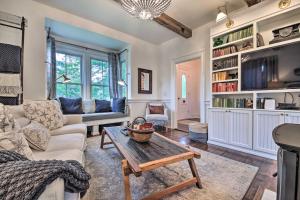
{"x":263,"y":179}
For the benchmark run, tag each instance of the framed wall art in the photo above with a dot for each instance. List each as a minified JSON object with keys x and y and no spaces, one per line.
{"x":144,"y":81}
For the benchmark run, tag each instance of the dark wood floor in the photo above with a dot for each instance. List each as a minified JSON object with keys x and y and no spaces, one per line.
{"x":263,"y":179}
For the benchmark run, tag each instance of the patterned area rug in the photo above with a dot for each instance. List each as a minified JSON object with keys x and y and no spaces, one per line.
{"x":222,"y":178}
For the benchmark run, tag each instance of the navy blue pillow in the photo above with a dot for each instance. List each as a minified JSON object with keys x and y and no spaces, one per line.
{"x":118,"y":104}
{"x":102,"y":106}
{"x":71,"y":106}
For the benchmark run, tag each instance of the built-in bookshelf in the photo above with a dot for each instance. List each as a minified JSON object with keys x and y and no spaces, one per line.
{"x":229,"y":48}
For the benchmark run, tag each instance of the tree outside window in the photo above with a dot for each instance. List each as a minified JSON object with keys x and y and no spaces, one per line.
{"x":99,"y":79}
{"x":69,"y":65}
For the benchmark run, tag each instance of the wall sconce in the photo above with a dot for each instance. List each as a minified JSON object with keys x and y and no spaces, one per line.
{"x":223,"y":14}
{"x":283,"y":4}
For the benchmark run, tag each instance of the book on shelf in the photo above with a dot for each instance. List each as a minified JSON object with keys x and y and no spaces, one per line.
{"x":225,"y":87}
{"x":225,"y":63}
{"x":225,"y":51}
{"x":233,"y":103}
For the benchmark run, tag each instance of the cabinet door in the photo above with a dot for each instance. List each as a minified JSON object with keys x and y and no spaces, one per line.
{"x":292,"y":118}
{"x":218,"y":125}
{"x":264,"y":124}
{"x":240,"y":132}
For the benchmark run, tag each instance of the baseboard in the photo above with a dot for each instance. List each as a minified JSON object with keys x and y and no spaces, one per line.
{"x":249,"y":151}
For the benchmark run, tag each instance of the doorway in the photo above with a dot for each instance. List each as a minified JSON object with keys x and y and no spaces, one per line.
{"x":188,"y":85}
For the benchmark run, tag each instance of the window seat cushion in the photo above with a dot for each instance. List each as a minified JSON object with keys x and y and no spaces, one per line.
{"x":102,"y":116}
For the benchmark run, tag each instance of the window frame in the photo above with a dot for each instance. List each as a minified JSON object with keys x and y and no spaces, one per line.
{"x":70,"y":53}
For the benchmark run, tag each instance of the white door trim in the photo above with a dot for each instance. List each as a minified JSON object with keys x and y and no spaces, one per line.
{"x":196,"y":55}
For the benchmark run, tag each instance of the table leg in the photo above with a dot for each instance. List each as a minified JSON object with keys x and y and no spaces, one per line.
{"x":195,"y":172}
{"x":126,"y":172}
{"x":102,"y":139}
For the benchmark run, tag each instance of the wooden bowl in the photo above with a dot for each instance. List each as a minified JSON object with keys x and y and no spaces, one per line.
{"x":140,"y":135}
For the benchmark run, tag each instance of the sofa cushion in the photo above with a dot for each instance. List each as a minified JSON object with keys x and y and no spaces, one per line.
{"x":68,"y":129}
{"x":102,"y":116}
{"x":156,"y":110}
{"x":88,"y":106}
{"x":15,"y":141}
{"x":68,"y":141}
{"x":68,"y":154}
{"x":118,"y":104}
{"x":71,"y":106}
{"x":47,"y":113}
{"x":22,"y":122}
{"x":156,"y":117}
{"x":103,"y":106}
{"x":54,"y":191}
{"x":37,"y":135}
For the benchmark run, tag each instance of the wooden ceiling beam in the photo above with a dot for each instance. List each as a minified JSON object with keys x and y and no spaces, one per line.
{"x":172,"y":24}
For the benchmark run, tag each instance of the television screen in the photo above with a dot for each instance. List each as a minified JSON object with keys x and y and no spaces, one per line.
{"x":276,"y":68}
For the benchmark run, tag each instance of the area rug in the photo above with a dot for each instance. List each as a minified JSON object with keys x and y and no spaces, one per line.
{"x":222,"y":178}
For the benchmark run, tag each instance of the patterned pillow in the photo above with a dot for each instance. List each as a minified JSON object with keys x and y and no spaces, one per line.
{"x":37,"y":135}
{"x":47,"y":113}
{"x":15,"y":141}
{"x":7,"y":121}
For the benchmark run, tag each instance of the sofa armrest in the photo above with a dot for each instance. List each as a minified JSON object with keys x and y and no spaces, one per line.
{"x":72,"y":119}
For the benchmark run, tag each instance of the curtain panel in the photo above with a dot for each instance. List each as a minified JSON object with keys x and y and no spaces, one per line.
{"x":114,"y":74}
{"x":51,"y":67}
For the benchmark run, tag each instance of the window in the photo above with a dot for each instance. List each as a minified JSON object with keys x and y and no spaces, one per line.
{"x":69,"y":65}
{"x":183,"y":86}
{"x":99,"y":79}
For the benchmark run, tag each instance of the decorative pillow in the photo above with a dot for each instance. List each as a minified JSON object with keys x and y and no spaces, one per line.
{"x":118,"y":104}
{"x":71,"y":106}
{"x":156,"y":110}
{"x":102,"y":106}
{"x":88,"y":106}
{"x":37,"y":135}
{"x":15,"y":141}
{"x":47,"y":113}
{"x":7,"y":121}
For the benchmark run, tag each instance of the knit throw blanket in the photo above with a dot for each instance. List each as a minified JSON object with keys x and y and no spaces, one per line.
{"x":23,"y":179}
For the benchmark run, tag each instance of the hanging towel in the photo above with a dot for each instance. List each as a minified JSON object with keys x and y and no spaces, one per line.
{"x":10,"y":58}
{"x":10,"y":85}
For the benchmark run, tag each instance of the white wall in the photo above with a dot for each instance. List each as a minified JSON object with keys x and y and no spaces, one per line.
{"x":143,"y":54}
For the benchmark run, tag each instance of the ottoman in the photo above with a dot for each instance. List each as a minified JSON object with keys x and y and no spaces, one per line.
{"x":198,"y":132}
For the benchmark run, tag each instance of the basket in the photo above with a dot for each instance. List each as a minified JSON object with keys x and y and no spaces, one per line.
{"x":144,"y":133}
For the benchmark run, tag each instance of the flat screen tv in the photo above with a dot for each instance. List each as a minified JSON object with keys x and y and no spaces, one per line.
{"x":271,"y":69}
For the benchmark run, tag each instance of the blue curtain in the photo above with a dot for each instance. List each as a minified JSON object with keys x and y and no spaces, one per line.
{"x":113,"y":63}
{"x":51,"y":67}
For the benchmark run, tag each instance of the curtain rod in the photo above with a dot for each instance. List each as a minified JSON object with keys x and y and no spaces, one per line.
{"x":87,"y":48}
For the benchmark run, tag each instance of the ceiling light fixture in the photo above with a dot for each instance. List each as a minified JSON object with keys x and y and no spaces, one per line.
{"x":146,"y":9}
{"x":222,"y":15}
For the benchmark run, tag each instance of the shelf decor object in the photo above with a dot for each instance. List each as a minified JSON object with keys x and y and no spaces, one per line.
{"x":286,"y":33}
{"x":146,"y":10}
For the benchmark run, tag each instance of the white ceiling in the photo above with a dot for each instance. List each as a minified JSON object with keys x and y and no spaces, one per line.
{"x":192,"y":13}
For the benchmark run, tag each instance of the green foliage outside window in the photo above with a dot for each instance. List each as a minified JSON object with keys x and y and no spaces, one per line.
{"x":99,"y":79}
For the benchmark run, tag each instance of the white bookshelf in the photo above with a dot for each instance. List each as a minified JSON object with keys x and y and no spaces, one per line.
{"x":264,"y":26}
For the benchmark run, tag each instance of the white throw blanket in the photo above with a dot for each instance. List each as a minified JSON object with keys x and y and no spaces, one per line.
{"x":10,"y":85}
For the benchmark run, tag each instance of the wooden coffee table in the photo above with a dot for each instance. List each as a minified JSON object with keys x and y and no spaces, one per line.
{"x":158,"y":152}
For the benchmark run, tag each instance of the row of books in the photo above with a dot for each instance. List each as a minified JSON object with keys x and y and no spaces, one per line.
{"x":225,"y":87}
{"x":225,"y":51}
{"x":220,"y":76}
{"x":234,"y":36}
{"x":225,"y":63}
{"x":247,"y":32}
{"x":233,"y":103}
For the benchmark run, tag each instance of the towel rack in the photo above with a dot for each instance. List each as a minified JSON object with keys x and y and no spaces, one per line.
{"x":19,"y":23}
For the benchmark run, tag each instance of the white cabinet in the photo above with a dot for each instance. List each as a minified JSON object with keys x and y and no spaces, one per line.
{"x":231,"y":126}
{"x":218,"y":124}
{"x":264,"y":124}
{"x":240,"y":131}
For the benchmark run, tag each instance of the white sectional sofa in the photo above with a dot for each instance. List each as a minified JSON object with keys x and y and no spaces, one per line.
{"x":66,"y":143}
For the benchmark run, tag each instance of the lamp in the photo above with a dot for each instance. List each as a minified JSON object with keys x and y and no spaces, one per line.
{"x":65,"y":80}
{"x":224,"y":15}
{"x":122,"y":83}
